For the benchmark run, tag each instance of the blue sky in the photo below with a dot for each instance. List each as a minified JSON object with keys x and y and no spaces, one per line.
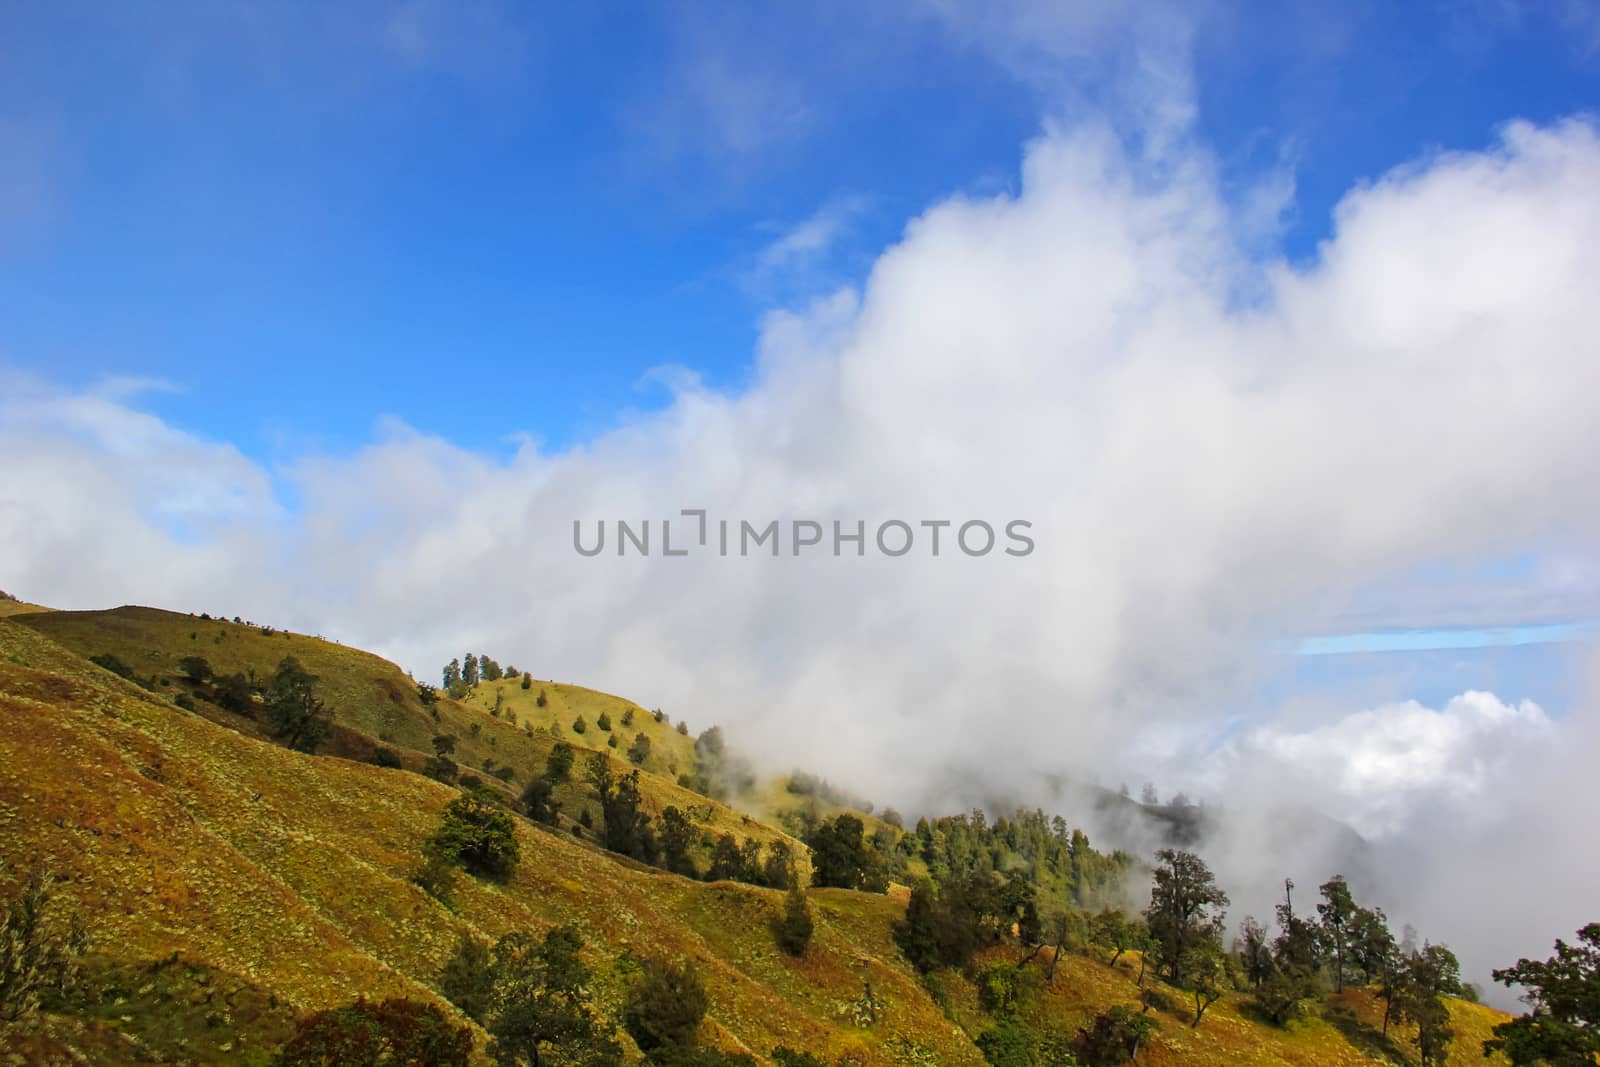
{"x":496,"y":223}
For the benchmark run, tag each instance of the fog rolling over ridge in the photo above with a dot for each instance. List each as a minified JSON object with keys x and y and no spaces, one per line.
{"x":1217,"y":451}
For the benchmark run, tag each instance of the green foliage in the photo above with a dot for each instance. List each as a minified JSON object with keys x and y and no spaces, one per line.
{"x":527,"y":682}
{"x":389,"y":1033}
{"x":114,"y":665}
{"x":467,"y":980}
{"x":579,"y":726}
{"x":1186,"y":909}
{"x":839,"y":856}
{"x":604,"y":722}
{"x":384,"y":756}
{"x":792,"y":929}
{"x":196,"y":668}
{"x":1282,"y":994}
{"x":639,"y":751}
{"x":480,"y":838}
{"x":944,"y":928}
{"x":1113,"y":1038}
{"x":294,"y":715}
{"x":611,"y":741}
{"x":235,"y":693}
{"x":540,"y":1004}
{"x":184,"y":701}
{"x":538,"y":800}
{"x":677,"y":837}
{"x":39,"y":948}
{"x":664,"y":1007}
{"x":778,"y":870}
{"x":1427,"y":977}
{"x":1563,"y":1026}
{"x":1004,"y":989}
{"x":437,"y":878}
{"x":540,"y":701}
{"x":558,"y":765}
{"x":1008,"y":1044}
{"x":625,"y":826}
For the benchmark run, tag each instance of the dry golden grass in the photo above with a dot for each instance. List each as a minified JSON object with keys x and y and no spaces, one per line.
{"x":284,"y":879}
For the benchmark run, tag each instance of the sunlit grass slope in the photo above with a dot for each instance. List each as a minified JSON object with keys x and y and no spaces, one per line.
{"x":282,"y":880}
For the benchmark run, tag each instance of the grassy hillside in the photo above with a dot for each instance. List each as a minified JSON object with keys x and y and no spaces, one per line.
{"x":227,"y":883}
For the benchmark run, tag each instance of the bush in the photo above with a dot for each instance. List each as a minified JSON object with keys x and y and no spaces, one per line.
{"x":683,"y":728}
{"x":437,"y":878}
{"x":793,"y":929}
{"x":479,"y":838}
{"x":558,"y":765}
{"x":235,"y":693}
{"x":578,"y":725}
{"x":39,"y":949}
{"x":390,"y":1032}
{"x":612,"y":740}
{"x":383,"y":756}
{"x":664,"y":1007}
{"x":1004,"y":989}
{"x":196,"y":669}
{"x":114,"y":665}
{"x":184,"y":701}
{"x":604,"y":722}
{"x":1010,"y":1044}
{"x":540,"y":702}
{"x":639,"y":751}
{"x":1113,"y":1038}
{"x":527,"y":681}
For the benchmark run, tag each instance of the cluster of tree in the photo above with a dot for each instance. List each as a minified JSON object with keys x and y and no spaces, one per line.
{"x":460,"y":675}
{"x":843,"y":856}
{"x":292,"y":710}
{"x":719,"y":771}
{"x":1058,"y":860}
{"x":945,"y":925}
{"x":1562,"y":1027}
{"x":805,"y":784}
{"x":532,"y":996}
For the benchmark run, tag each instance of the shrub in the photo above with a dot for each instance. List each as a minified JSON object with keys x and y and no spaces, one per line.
{"x":664,"y":1007}
{"x":579,"y":726}
{"x":390,"y":1032}
{"x":437,"y":878}
{"x":1009,"y":1044}
{"x":39,"y":948}
{"x":627,"y":717}
{"x":683,"y":728}
{"x":294,"y":714}
{"x":384,"y":756}
{"x":1113,"y":1038}
{"x":235,"y":693}
{"x":184,"y":701}
{"x":1004,"y":989}
{"x":558,"y":765}
{"x":612,"y":741}
{"x":196,"y":669}
{"x":639,"y":751}
{"x":114,"y":665}
{"x":792,"y":930}
{"x":540,"y":701}
{"x":480,"y":838}
{"x":527,"y":683}
{"x":604,"y":722}
{"x":538,"y":800}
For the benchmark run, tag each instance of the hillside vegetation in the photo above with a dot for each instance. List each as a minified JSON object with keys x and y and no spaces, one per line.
{"x":226,"y":884}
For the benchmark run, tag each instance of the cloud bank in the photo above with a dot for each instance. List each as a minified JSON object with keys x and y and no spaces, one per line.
{"x":1215,"y":450}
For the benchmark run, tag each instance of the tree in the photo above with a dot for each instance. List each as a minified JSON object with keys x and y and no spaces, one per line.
{"x":1372,"y":947}
{"x":540,"y":1004}
{"x":627,"y":717}
{"x":626,"y":828}
{"x":778,"y":870}
{"x":196,"y":669}
{"x":558,"y":765}
{"x":469,"y":670}
{"x":1207,"y":973}
{"x":294,"y":714}
{"x":838,"y":853}
{"x":578,"y":725}
{"x":726,"y":860}
{"x":538,"y":800}
{"x":1338,"y":914}
{"x":527,"y":682}
{"x":1186,"y":908}
{"x":39,"y":948}
{"x":489,"y":670}
{"x":604,"y":722}
{"x":664,"y":1006}
{"x":1428,"y":977}
{"x":389,"y":1033}
{"x":383,"y":756}
{"x":1254,"y":951}
{"x":1115,"y":932}
{"x":1008,"y":1044}
{"x":1562,"y":1027}
{"x":639,"y":751}
{"x":1148,"y":796}
{"x":235,"y":693}
{"x":677,"y":836}
{"x":480,"y":838}
{"x":793,"y":929}
{"x":467,"y":980}
{"x":452,"y":673}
